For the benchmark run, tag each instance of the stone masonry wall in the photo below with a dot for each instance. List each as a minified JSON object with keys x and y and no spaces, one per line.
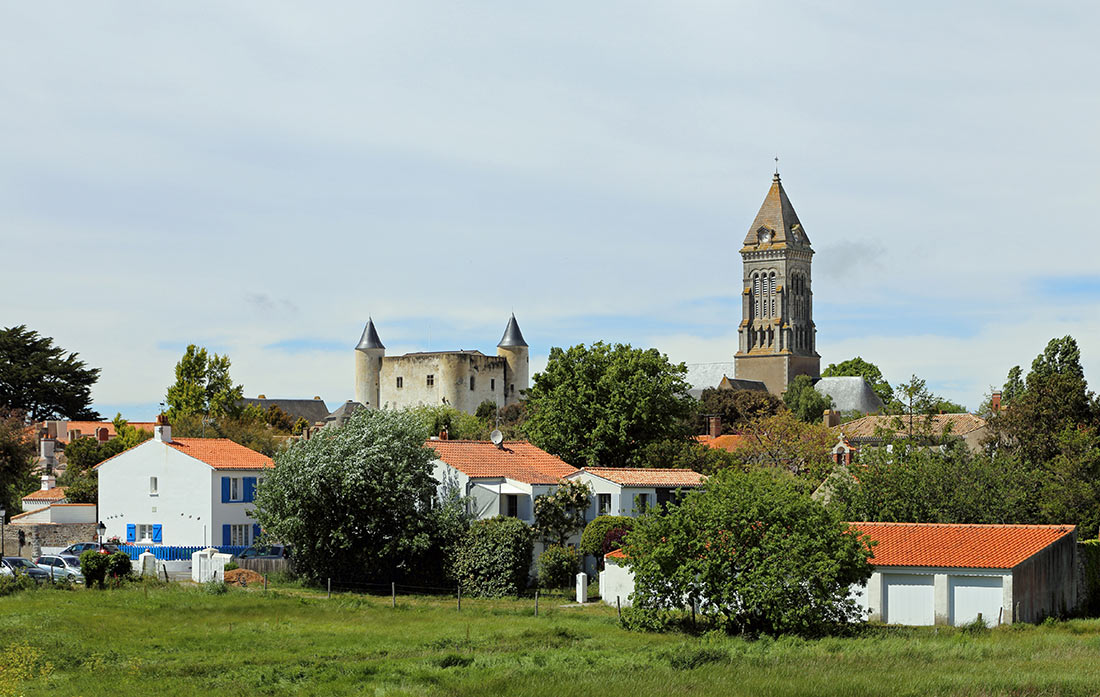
{"x":39,"y":535}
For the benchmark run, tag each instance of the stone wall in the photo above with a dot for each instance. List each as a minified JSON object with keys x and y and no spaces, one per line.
{"x":39,"y":535}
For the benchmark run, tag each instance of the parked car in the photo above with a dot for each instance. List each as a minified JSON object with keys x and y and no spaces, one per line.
{"x":61,"y":566}
{"x":19,"y":565}
{"x":80,"y":547}
{"x":265,"y":551}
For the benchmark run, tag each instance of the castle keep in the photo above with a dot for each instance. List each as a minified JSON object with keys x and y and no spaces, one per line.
{"x":776,"y":336}
{"x":461,"y":379}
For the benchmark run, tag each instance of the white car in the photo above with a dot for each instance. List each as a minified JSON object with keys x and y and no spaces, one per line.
{"x":61,"y":566}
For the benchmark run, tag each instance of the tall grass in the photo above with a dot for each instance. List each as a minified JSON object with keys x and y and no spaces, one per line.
{"x":166,"y":641}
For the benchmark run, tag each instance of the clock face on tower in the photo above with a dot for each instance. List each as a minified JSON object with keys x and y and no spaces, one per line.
{"x":765,"y":236}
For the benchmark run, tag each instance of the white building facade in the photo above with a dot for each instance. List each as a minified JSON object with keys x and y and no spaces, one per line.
{"x":185,"y":491}
{"x":630,"y":491}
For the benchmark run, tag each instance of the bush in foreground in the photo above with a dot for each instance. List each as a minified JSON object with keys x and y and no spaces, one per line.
{"x":753,"y":553}
{"x":595,"y":533}
{"x":558,"y":566}
{"x":494,"y":557}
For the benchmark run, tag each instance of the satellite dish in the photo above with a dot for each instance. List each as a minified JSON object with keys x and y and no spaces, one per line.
{"x":497,"y":437}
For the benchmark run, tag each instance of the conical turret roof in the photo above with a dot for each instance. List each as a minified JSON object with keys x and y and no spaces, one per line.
{"x":776,"y":221}
{"x":370,"y":339}
{"x":513,"y":337}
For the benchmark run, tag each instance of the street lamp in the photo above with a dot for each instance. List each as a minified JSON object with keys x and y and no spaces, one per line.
{"x":102,"y":529}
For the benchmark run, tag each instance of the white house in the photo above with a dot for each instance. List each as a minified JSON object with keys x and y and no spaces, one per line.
{"x":499,"y":480}
{"x":183,"y":491}
{"x":929,"y":573}
{"x":628,"y":491}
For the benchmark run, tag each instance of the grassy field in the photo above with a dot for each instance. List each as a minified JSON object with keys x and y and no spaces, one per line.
{"x":184,"y":641}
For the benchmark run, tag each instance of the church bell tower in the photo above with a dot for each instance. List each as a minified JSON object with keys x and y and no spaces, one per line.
{"x":776,"y":336}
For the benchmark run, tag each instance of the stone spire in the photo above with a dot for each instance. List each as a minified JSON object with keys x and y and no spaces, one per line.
{"x":776,"y":221}
{"x":370,"y":339}
{"x":513,"y":337}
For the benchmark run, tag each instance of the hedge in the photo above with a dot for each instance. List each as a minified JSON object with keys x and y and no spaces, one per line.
{"x":494,"y":557}
{"x":596,"y":532}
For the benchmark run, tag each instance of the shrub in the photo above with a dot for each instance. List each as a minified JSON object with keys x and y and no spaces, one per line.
{"x":596,"y":532}
{"x":558,"y":566}
{"x":613,"y":540}
{"x":119,"y":565}
{"x":232,"y":566}
{"x":494,"y":557}
{"x":215,"y":587}
{"x":18,"y":582}
{"x":94,"y":567}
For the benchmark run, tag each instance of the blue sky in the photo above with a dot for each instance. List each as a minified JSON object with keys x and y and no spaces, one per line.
{"x":259,"y":177}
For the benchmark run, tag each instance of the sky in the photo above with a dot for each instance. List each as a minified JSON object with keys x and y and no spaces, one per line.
{"x":260,"y":177}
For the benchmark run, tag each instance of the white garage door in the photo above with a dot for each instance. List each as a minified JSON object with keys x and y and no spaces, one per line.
{"x":973,"y":594}
{"x":909,"y":599}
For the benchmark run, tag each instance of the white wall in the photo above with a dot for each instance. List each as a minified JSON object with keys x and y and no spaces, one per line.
{"x":187,"y":504}
{"x":946,"y":596}
{"x":616,"y":582}
{"x":233,"y":513}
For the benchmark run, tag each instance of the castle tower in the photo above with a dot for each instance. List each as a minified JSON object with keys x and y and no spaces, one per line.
{"x":777,"y":336}
{"x":513,"y":349}
{"x":368,"y":366}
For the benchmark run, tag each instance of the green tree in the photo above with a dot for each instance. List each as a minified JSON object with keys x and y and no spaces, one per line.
{"x":688,"y":455}
{"x":1013,"y":387}
{"x":764,"y":557}
{"x":857,"y":367}
{"x":784,"y":443}
{"x":560,"y":514}
{"x":737,"y":407}
{"x":16,"y":460}
{"x":601,"y":404}
{"x":203,"y":386}
{"x":41,"y":380}
{"x":355,"y":501}
{"x":595,"y":532}
{"x":804,"y":401}
{"x":458,"y":424}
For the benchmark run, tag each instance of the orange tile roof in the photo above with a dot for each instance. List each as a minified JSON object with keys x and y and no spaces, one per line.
{"x":726,"y":442}
{"x":518,"y":460}
{"x":960,"y":424}
{"x":221,"y":453}
{"x":89,"y":428}
{"x":647,"y":476}
{"x":615,"y":554}
{"x":55,"y":494}
{"x":958,"y":546}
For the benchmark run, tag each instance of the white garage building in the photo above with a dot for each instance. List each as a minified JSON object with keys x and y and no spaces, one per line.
{"x":950,"y":574}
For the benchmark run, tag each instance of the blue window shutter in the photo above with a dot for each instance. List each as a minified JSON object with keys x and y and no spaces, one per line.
{"x":249,"y":489}
{"x":256,"y":531}
{"x":156,"y":532}
{"x":131,"y":532}
{"x":225,"y":489}
{"x":226,"y":536}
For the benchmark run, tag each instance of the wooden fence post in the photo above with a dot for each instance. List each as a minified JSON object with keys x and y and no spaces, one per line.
{"x":460,"y":597}
{"x":330,"y":588}
{"x":393,"y":594}
{"x":265,"y":582}
{"x":536,"y":603}
{"x":619,"y":605}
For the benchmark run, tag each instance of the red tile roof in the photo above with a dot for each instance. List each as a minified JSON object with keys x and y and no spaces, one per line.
{"x":615,"y":554}
{"x":518,"y":460}
{"x":55,"y":494}
{"x":726,"y":442}
{"x":958,"y":546}
{"x":959,"y":424}
{"x":647,"y":476}
{"x":221,"y":453}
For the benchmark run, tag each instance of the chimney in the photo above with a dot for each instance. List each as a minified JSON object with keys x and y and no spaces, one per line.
{"x":831,"y":418}
{"x":47,"y":448}
{"x":443,"y":434}
{"x":102,"y":434}
{"x":714,"y":425}
{"x":48,"y":481}
{"x":995,"y":401}
{"x":163,"y":430}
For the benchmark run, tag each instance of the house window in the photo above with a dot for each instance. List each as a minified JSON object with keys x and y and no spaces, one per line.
{"x":642,"y":503}
{"x":492,"y":384}
{"x":471,"y":382}
{"x":400,"y":383}
{"x":152,"y":486}
{"x":430,"y":381}
{"x":511,"y":505}
{"x":234,"y":489}
{"x":238,"y":535}
{"x":603,"y":504}
{"x":144,"y":532}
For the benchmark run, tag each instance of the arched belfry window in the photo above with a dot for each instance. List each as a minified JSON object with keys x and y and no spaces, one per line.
{"x":771,"y":292}
{"x":756,"y":294}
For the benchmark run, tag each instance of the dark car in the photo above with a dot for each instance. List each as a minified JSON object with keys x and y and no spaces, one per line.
{"x":19,"y":565}
{"x":265,"y":552}
{"x":80,"y":547}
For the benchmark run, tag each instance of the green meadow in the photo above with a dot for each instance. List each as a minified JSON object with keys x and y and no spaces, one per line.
{"x":174,"y":640}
